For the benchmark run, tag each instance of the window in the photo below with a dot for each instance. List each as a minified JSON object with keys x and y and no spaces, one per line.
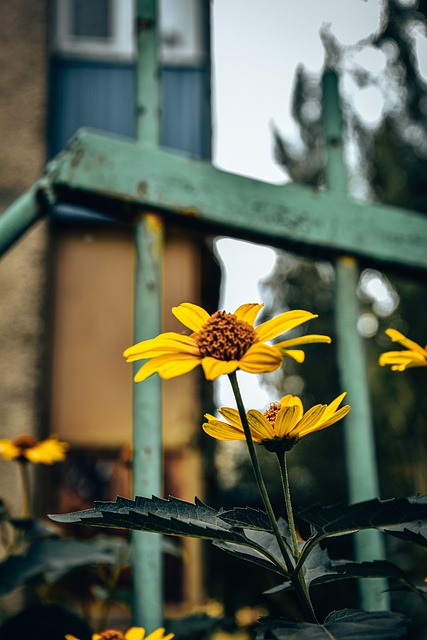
{"x":182,"y":41}
{"x":102,"y":29}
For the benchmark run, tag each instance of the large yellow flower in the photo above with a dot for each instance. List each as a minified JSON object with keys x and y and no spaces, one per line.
{"x":281,"y":426}
{"x":222,"y":343}
{"x":27,"y":449}
{"x":134,"y":633}
{"x":415,"y":356}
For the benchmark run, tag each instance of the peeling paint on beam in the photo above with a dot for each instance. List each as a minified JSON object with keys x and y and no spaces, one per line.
{"x":154,"y":178}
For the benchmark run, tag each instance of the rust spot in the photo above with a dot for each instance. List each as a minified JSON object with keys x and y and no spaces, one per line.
{"x":142,"y":188}
{"x":144,"y":24}
{"x":77,"y":157}
{"x":191,"y":211}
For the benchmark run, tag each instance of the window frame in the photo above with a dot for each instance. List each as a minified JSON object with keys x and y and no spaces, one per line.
{"x":120,"y":46}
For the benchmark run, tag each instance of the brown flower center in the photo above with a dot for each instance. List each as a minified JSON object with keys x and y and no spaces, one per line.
{"x":112,"y":634}
{"x":24,"y":442}
{"x":277,"y":445}
{"x":225,"y":337}
{"x":272,"y":412}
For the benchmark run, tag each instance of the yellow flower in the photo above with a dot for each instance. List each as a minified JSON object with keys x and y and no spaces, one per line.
{"x":134,"y":633}
{"x":222,"y":343}
{"x":27,"y":449}
{"x":416,"y":356}
{"x":281,"y":426}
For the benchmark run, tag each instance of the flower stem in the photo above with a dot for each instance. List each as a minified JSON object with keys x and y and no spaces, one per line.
{"x":281,"y":457}
{"x":297,"y":579}
{"x":26,"y":486}
{"x":257,"y":471}
{"x":298,"y":575}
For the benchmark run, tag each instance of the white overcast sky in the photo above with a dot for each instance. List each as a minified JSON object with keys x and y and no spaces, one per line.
{"x":257,"y":47}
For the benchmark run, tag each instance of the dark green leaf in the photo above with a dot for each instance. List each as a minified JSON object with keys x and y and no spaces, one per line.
{"x":381,"y":514}
{"x":171,"y":517}
{"x":31,"y":528}
{"x":263,"y":540}
{"x":50,"y":559}
{"x":415,"y":532}
{"x":319,"y":569}
{"x":347,"y":624}
{"x":247,"y":518}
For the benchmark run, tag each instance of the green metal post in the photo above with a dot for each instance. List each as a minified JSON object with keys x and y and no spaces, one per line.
{"x":147,"y":397}
{"x":147,"y":428}
{"x":18,"y":218}
{"x":358,"y":433}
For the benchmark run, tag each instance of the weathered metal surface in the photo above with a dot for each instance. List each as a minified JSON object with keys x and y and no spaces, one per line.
{"x":18,"y":218}
{"x":147,"y":564}
{"x":362,"y":476}
{"x":289,"y":216}
{"x":147,"y":553}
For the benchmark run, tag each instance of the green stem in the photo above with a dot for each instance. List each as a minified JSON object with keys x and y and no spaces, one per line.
{"x":298,"y":575}
{"x":297,"y":580}
{"x":257,"y":471}
{"x":26,"y":486}
{"x":281,"y":457}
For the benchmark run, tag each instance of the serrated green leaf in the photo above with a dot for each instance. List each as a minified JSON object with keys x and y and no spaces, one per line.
{"x":343,"y":519}
{"x":171,"y":517}
{"x":265,"y":554}
{"x":247,"y":518}
{"x":415,"y":532}
{"x":320,"y":569}
{"x":347,"y":624}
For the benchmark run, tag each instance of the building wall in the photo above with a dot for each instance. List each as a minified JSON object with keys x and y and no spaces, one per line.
{"x":23,"y":64}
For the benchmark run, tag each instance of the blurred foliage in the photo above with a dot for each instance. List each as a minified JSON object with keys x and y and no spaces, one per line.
{"x":391,"y":167}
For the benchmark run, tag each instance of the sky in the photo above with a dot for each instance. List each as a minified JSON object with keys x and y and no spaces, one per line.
{"x":257,"y":47}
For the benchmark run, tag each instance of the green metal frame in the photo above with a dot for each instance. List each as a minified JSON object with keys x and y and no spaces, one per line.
{"x":136,"y":180}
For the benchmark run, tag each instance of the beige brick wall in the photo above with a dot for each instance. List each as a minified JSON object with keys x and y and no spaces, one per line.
{"x":23,"y":75}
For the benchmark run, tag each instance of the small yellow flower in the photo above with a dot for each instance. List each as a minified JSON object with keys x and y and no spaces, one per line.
{"x":281,"y":426}
{"x":415,"y":356}
{"x":26,"y":449}
{"x":222,"y":343}
{"x":134,"y":633}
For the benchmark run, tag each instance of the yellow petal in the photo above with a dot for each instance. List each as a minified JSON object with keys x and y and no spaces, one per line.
{"x":260,"y":358}
{"x":332,"y":420}
{"x":333,"y":406}
{"x":68,"y":636}
{"x":158,"y":634}
{"x":214,"y":368}
{"x":47,"y":452}
{"x":295,"y":354}
{"x":261,"y":428}
{"x":308,"y":339}
{"x":396,"y":336}
{"x":286,"y":419}
{"x":283,"y":322}
{"x":168,"y":366}
{"x":221,"y":430}
{"x":137,"y":633}
{"x":289,"y":401}
{"x":191,"y":315}
{"x":232,"y":416}
{"x":402,"y":360}
{"x":248,"y":312}
{"x":163,"y":344}
{"x":8,"y":450}
{"x":308,"y":421}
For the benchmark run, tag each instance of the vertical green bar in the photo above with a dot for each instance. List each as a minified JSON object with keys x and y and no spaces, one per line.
{"x":358,"y":433}
{"x":147,"y":563}
{"x":147,"y":427}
